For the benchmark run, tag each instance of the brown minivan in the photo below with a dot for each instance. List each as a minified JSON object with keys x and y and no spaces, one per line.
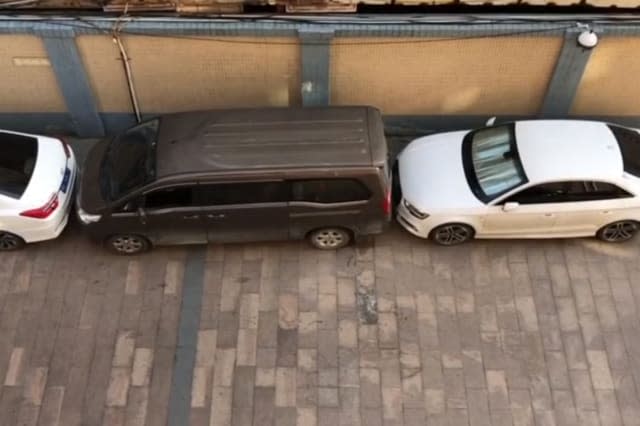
{"x":239,"y":175}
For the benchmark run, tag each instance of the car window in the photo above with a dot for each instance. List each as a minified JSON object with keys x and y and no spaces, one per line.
{"x":602,"y":191}
{"x":572,"y":191}
{"x":129,"y":161}
{"x":242,"y":193}
{"x":329,"y":191}
{"x":629,"y":143}
{"x":17,"y":160}
{"x":170,"y":198}
{"x":491,"y":161}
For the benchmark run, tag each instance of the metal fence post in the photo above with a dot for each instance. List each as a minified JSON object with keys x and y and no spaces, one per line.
{"x":315,"y":45}
{"x":566,"y":76}
{"x":68,"y":68}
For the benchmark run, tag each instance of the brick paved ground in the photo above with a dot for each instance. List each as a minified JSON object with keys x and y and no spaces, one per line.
{"x":493,"y":333}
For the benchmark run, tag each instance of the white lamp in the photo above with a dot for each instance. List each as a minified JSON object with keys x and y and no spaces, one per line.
{"x":587,"y":37}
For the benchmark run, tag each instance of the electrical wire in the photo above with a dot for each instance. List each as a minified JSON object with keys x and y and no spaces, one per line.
{"x":80,"y":23}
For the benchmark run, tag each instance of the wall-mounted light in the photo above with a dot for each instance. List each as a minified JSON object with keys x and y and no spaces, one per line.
{"x":587,"y":37}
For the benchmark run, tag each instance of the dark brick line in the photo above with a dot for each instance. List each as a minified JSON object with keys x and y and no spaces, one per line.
{"x":185,"y":356}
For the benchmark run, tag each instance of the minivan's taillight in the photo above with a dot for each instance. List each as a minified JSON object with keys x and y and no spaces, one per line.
{"x":386,"y":204}
{"x":44,"y":211}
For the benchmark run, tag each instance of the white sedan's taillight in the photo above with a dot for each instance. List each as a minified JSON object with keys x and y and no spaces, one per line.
{"x":88,"y":218}
{"x":44,"y":211}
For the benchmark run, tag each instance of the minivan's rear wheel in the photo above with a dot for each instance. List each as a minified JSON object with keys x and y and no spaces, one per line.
{"x":329,"y":238}
{"x":618,"y":232}
{"x":9,"y":241}
{"x":451,"y":234}
{"x":127,"y":244}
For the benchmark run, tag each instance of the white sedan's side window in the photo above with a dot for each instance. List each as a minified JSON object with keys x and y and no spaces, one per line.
{"x":570,"y":191}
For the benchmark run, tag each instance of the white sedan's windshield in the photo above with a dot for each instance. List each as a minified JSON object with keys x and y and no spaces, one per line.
{"x":495,"y":161}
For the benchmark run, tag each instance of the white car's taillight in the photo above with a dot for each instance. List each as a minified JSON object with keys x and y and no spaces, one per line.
{"x":44,"y":211}
{"x":88,"y":218}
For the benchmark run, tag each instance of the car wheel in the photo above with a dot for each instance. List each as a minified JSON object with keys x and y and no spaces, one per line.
{"x":128,"y":244}
{"x":618,"y":232}
{"x":329,"y":238}
{"x":9,"y":241}
{"x":451,"y":234}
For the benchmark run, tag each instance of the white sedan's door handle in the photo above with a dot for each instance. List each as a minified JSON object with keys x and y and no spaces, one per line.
{"x":606,"y":212}
{"x":549,"y":214}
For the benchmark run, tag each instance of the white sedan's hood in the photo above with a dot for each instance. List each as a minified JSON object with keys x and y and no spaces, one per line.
{"x":432,"y":176}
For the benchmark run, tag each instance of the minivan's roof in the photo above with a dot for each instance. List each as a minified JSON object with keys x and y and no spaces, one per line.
{"x":269,"y":138}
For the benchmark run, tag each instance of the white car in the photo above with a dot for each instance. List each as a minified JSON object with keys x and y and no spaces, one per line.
{"x":37,"y":174}
{"x":527,"y":179}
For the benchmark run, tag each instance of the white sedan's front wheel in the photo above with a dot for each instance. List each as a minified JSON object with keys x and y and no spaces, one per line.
{"x":618,"y":232}
{"x":451,"y":234}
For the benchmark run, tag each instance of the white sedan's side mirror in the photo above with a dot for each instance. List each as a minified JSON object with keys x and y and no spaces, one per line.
{"x":512,"y":205}
{"x":491,"y":121}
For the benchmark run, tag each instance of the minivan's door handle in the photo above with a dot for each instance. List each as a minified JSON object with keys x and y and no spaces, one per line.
{"x":191,"y":216}
{"x":216,"y":216}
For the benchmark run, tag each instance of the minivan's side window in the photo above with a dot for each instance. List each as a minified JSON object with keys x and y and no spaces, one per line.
{"x":329,"y":191}
{"x":242,"y":193}
{"x":181,"y":196}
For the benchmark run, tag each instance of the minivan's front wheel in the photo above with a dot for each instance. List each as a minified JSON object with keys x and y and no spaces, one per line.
{"x":618,"y":232}
{"x":127,"y":244}
{"x":329,"y":238}
{"x":451,"y":234}
{"x":9,"y":241}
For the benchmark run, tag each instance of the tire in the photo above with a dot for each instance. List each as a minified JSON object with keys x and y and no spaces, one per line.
{"x":618,"y":232}
{"x":10,"y":242}
{"x":451,"y":234}
{"x":127,"y":244}
{"x":329,"y":238}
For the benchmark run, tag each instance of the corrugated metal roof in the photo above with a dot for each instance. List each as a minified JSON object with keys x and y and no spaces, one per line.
{"x":293,"y":6}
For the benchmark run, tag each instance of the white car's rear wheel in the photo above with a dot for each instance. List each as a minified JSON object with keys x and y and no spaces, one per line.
{"x":9,"y":241}
{"x":451,"y":234}
{"x":618,"y":232}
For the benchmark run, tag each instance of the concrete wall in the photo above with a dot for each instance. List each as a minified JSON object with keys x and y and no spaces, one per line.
{"x":28,"y":82}
{"x":611,"y":82}
{"x":173,"y":74}
{"x":507,"y":75}
{"x":421,"y":76}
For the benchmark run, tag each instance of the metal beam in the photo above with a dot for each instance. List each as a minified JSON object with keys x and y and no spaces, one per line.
{"x":568,"y":72}
{"x":72,"y":79}
{"x":315,"y":46}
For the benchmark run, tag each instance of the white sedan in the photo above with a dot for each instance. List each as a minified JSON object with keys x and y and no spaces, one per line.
{"x":527,"y":179}
{"x":37,"y":174}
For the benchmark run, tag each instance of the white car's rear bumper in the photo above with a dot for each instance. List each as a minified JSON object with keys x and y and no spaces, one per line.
{"x":52,"y":226}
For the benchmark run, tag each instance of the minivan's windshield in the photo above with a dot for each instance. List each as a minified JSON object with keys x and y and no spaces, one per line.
{"x":629,"y":142}
{"x":129,"y":161}
{"x":491,"y":161}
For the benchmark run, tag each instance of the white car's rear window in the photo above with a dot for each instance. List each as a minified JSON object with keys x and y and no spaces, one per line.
{"x":17,"y":160}
{"x":629,"y":142}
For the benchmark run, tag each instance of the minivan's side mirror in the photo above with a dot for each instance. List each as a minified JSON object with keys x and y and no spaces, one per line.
{"x":142,"y":215}
{"x":491,"y":121}
{"x":509,"y":206}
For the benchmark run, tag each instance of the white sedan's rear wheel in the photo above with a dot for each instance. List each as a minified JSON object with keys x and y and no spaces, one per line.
{"x":9,"y":241}
{"x":618,"y":232}
{"x":451,"y":234}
